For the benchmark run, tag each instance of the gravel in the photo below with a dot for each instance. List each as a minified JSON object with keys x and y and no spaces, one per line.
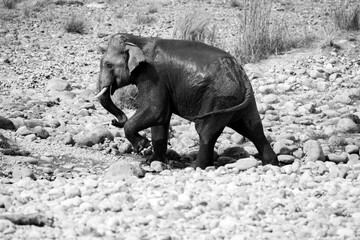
{"x":67,"y":173}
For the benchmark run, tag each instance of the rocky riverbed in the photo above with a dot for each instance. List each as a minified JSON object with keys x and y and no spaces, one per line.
{"x":67,"y":173}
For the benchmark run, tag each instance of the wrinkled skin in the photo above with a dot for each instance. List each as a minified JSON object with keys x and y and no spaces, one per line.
{"x":198,"y":82}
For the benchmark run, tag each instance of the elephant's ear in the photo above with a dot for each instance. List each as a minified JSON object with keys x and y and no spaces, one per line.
{"x":136,"y":56}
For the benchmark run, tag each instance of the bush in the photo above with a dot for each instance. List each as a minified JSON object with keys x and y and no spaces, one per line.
{"x":347,"y":17}
{"x":235,"y":3}
{"x":260,"y":37}
{"x":152,"y":9}
{"x":75,"y":25}
{"x":195,"y":26}
{"x":10,"y":4}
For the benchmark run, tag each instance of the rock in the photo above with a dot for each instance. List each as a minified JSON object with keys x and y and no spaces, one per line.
{"x":94,"y":136}
{"x":32,"y":123}
{"x":41,"y":133}
{"x":315,"y":74}
{"x":281,"y":147}
{"x":338,"y":158}
{"x":66,"y":138}
{"x":237,"y":138}
{"x":313,"y":151}
{"x":95,"y":5}
{"x":53,"y":123}
{"x":352,"y":149}
{"x":342,"y":98}
{"x":235,"y":152}
{"x":157,"y":166}
{"x":353,"y":159}
{"x":286,"y":159}
{"x":6,"y":227}
{"x":31,"y":137}
{"x":57,"y":84}
{"x":346,"y":233}
{"x":122,"y":170}
{"x":5,"y":201}
{"x":243,"y":164}
{"x":6,"y":124}
{"x":223,"y":160}
{"x":269,"y":99}
{"x":23,"y":131}
{"x":20,"y":172}
{"x":347,"y":125}
{"x":72,"y":191}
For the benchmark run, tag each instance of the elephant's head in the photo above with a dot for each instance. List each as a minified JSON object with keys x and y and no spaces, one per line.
{"x":118,"y":62}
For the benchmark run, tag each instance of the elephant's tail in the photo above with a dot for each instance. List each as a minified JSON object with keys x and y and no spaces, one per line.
{"x":249,"y":93}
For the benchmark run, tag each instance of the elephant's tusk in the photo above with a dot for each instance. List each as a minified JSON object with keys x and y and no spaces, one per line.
{"x":101,"y":92}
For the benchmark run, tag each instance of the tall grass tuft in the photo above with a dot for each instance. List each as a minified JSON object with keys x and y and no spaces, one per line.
{"x":235,"y":3}
{"x":260,"y":36}
{"x":10,"y":4}
{"x":255,"y":38}
{"x":75,"y":25}
{"x":347,"y":17}
{"x":195,"y":26}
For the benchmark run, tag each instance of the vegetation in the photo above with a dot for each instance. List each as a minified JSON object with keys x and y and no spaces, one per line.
{"x":152,"y":9}
{"x":75,"y":25}
{"x":10,"y":4}
{"x":261,"y":37}
{"x":347,"y":17}
{"x":235,"y":3}
{"x":195,"y":26}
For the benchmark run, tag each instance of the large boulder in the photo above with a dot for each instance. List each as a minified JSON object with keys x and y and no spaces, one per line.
{"x":97,"y":135}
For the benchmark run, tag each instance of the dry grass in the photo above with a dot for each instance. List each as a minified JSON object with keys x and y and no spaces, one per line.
{"x":347,"y":16}
{"x":75,"y":25}
{"x":10,"y":4}
{"x":152,"y":9}
{"x":195,"y":26}
{"x":260,"y":36}
{"x":235,"y":3}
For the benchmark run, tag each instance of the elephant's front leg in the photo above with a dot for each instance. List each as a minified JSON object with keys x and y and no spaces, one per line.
{"x":132,"y":128}
{"x":146,"y":117}
{"x":159,"y":138}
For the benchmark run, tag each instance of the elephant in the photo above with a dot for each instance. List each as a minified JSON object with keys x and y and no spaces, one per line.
{"x":193,"y":80}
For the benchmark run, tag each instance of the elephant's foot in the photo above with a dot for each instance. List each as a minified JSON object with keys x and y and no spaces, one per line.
{"x":269,"y":156}
{"x":155,"y":157}
{"x":141,"y":145}
{"x":273,"y":161}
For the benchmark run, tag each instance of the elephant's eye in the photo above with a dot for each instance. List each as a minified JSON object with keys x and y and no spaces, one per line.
{"x":109,"y":65}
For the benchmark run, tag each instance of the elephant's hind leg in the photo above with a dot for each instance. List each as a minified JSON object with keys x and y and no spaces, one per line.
{"x":249,"y":125}
{"x":209,"y":130}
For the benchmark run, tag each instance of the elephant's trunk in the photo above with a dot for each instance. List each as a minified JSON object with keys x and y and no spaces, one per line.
{"x":106,"y":101}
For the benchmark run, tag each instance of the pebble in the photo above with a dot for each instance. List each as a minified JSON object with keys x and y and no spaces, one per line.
{"x":243,"y":164}
{"x":286,"y":159}
{"x":313,"y":151}
{"x":347,"y":125}
{"x":308,"y":107}
{"x":337,"y":158}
